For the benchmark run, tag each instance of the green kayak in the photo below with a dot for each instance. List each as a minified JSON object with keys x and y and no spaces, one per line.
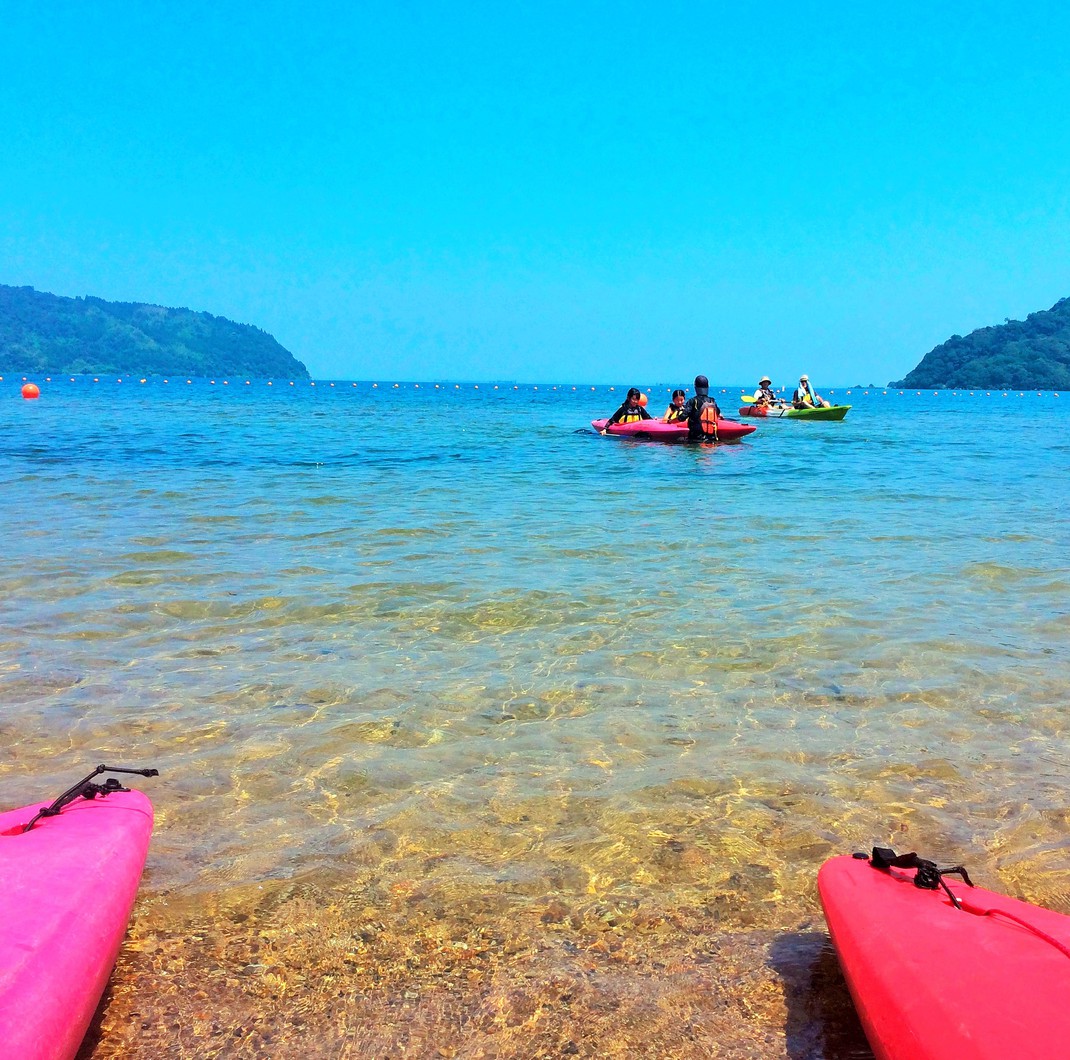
{"x":786,"y":412}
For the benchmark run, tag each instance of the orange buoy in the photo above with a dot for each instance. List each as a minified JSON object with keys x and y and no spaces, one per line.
{"x":642,"y":400}
{"x":31,"y":391}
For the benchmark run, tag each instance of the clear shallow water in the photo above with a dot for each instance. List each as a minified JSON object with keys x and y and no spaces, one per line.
{"x":378,"y":636}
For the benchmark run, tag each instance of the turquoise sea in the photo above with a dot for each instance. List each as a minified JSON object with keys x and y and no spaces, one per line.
{"x":483,"y":735}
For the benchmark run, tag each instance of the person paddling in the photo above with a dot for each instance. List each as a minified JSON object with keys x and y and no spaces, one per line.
{"x":631,"y":410}
{"x":702,"y":413}
{"x":764,"y":394}
{"x":805,"y":398}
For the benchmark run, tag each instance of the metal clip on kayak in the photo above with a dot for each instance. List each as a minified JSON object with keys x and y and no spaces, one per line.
{"x":928,"y":877}
{"x":88,"y":790}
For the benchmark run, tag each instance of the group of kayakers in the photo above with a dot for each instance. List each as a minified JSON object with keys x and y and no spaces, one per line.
{"x":701,"y":412}
{"x":803,"y":398}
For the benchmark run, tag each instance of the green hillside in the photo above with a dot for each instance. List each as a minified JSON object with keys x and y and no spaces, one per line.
{"x":46,"y":333}
{"x":1030,"y":354}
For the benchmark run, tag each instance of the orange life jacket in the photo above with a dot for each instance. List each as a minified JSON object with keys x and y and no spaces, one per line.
{"x":708,"y":419}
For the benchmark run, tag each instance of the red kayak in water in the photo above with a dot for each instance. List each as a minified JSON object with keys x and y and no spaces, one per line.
{"x":939,"y":969}
{"x":727,"y":430}
{"x":67,"y":886}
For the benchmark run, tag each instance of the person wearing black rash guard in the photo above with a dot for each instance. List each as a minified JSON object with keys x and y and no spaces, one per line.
{"x":702,"y":413}
{"x":630,"y":411}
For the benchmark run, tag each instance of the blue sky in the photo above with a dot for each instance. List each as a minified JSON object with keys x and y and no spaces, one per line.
{"x":548,"y":192}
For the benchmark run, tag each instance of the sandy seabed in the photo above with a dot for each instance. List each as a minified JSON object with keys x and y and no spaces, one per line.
{"x":299,"y":971}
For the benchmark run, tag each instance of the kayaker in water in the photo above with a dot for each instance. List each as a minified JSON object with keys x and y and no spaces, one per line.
{"x":805,"y":398}
{"x":764,"y":394}
{"x":631,"y":411}
{"x":702,"y":413}
{"x":675,"y":412}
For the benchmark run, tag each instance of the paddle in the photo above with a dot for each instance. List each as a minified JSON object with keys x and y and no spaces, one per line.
{"x":747,"y":399}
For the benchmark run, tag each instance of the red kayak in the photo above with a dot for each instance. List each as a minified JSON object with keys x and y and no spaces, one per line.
{"x":939,"y":969}
{"x":727,"y":430}
{"x":66,"y":890}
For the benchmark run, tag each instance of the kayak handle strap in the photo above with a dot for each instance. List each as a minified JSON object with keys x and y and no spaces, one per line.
{"x":929,"y":877}
{"x":88,"y":790}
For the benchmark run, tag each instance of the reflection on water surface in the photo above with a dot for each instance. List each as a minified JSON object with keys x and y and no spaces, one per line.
{"x":524,"y":741}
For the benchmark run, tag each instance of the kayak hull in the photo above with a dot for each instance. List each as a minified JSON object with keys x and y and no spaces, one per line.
{"x":932,"y":981}
{"x":786,"y":412}
{"x":656,"y":430}
{"x":68,"y":888}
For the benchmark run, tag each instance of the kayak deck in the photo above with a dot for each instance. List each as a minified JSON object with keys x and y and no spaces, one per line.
{"x":69,"y":885}
{"x":727,"y":430}
{"x":775,"y":412}
{"x":987,"y":981}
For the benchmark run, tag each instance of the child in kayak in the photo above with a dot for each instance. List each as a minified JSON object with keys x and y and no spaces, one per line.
{"x":631,"y":411}
{"x":675,"y":412}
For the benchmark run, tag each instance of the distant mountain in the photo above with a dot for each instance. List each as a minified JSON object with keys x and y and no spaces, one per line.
{"x":1030,"y":354}
{"x":42,"y":332}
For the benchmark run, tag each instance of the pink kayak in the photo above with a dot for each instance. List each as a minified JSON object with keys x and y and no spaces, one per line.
{"x":727,"y":430}
{"x":940,"y":969}
{"x":67,"y":887}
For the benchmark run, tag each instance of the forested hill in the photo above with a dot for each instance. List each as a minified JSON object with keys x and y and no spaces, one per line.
{"x":42,"y":332}
{"x":1030,"y":354}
